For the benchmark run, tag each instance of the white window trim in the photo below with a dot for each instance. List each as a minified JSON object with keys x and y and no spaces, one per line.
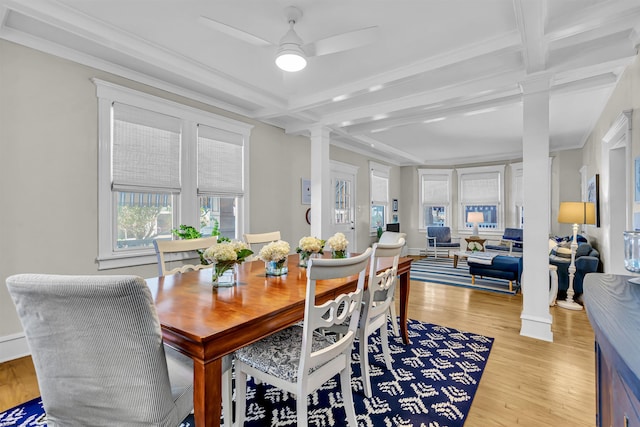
{"x":481,"y":169}
{"x":517,"y":170}
{"x":385,"y":171}
{"x":185,"y":209}
{"x":449,"y":205}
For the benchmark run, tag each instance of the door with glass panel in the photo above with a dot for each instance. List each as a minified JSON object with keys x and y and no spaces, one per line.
{"x":343,"y":184}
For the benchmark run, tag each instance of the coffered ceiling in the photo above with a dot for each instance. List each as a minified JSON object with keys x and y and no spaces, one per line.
{"x":436,"y":83}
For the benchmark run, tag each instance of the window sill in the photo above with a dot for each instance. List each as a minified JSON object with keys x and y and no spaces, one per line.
{"x":126,"y":260}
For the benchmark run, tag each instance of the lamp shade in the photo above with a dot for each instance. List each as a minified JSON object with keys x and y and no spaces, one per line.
{"x":475,"y":217}
{"x":577,"y":213}
{"x":290,"y":56}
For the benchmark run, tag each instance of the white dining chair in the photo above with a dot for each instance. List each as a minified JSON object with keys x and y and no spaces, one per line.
{"x":377,"y":299}
{"x":183,"y":246}
{"x":300,"y":359}
{"x":164,"y":247}
{"x":394,"y":237}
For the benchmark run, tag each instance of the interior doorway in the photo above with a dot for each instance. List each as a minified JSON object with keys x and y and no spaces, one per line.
{"x":615,"y":201}
{"x":343,"y":217}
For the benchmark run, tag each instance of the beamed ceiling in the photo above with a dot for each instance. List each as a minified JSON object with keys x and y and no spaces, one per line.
{"x":434,"y":82}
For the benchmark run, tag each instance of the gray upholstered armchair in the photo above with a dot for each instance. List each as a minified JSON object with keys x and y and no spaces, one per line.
{"x":439,"y":239}
{"x":98,"y":351}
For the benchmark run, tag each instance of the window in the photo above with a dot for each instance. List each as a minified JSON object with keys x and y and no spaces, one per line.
{"x":145,"y":175}
{"x":481,"y":190}
{"x":379,"y":193}
{"x":220,"y":180}
{"x":435,"y":197}
{"x":162,"y":164}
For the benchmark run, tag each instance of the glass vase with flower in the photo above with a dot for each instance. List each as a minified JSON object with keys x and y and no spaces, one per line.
{"x":225,"y":256}
{"x":338,"y":243}
{"x":309,"y":247}
{"x":275,"y":256}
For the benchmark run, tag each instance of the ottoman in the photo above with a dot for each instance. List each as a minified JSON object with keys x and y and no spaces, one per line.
{"x":501,"y":267}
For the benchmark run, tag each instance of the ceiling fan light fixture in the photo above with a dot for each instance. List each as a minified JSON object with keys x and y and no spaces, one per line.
{"x":290,"y":58}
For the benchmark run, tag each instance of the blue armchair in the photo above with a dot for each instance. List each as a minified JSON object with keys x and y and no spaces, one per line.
{"x":587,"y":261}
{"x":439,"y":238}
{"x":511,"y":242}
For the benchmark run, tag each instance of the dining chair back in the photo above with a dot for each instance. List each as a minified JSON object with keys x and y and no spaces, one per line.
{"x":98,"y":351}
{"x":185,"y":247}
{"x":257,"y":240}
{"x":300,"y":359}
{"x":377,"y":299}
{"x":199,"y":245}
{"x":394,"y":237}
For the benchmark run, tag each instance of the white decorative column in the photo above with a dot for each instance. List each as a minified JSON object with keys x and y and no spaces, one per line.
{"x":536,"y":319}
{"x":320,"y":182}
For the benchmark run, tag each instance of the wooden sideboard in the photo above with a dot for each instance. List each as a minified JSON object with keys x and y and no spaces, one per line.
{"x":613,"y":307}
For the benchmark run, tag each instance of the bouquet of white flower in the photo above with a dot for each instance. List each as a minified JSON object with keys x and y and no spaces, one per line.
{"x":310,"y":245}
{"x":307,"y":246}
{"x":224,"y":255}
{"x":275,"y":251}
{"x":275,"y":256}
{"x":338,"y":242}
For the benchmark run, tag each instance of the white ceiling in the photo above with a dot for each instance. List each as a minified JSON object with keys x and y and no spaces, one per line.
{"x":461,"y":60}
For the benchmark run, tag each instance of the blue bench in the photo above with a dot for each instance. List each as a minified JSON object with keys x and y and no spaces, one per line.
{"x":502,"y":267}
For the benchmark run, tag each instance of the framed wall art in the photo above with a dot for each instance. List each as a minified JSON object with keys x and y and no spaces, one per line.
{"x":593,"y":195}
{"x":636,"y":180}
{"x":306,"y":191}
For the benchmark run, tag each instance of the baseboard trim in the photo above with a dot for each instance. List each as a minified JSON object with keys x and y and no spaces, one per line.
{"x":13,"y":347}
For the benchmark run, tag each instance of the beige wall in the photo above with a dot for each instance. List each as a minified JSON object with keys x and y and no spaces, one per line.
{"x":48,"y":172}
{"x":626,"y":96}
{"x":565,"y":186}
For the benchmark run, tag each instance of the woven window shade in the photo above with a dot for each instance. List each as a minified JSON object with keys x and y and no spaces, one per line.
{"x":379,"y":189}
{"x":480,"y":187}
{"x":220,"y":161}
{"x":146,"y":149}
{"x":519,"y":192}
{"x":435,"y":189}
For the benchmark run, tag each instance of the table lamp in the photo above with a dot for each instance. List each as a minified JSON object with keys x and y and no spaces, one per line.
{"x":575,"y":213}
{"x":475,"y":218}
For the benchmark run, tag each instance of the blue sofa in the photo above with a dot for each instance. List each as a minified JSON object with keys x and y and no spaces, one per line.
{"x":587,"y":261}
{"x":511,"y":242}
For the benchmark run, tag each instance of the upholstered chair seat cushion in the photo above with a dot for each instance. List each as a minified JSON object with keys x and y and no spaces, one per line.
{"x":276,"y":356}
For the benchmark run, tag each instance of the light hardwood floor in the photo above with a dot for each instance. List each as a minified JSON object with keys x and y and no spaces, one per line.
{"x":527,"y":382}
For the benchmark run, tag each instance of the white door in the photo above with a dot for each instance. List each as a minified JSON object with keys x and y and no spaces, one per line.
{"x":343,"y":219}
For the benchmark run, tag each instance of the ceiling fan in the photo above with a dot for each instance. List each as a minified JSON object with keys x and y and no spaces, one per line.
{"x":292,"y":52}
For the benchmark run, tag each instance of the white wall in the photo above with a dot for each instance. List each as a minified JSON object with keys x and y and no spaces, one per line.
{"x":48,"y":175}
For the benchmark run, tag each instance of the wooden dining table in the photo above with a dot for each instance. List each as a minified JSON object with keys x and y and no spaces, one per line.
{"x":207,"y":323}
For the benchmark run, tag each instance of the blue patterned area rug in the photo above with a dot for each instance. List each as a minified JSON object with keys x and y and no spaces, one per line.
{"x":441,"y":271}
{"x":432,"y":384}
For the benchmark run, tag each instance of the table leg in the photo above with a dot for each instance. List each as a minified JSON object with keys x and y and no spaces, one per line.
{"x":455,"y":261}
{"x":207,"y":396}
{"x":404,"y":306}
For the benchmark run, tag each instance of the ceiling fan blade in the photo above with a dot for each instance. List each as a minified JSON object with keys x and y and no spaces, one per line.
{"x":234,"y":32}
{"x":342,"y":42}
